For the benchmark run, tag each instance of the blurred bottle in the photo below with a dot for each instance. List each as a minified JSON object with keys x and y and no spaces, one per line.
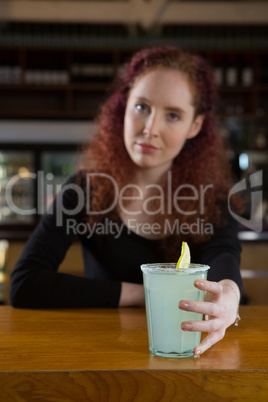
{"x":247,"y":72}
{"x":231,"y":75}
{"x":218,"y":70}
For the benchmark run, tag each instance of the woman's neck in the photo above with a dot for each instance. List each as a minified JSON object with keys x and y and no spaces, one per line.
{"x":144,"y":178}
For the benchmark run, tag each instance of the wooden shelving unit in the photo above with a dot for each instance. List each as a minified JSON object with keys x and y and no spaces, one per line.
{"x":72,"y":83}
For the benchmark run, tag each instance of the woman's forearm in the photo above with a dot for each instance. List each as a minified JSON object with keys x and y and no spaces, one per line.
{"x":132,"y":294}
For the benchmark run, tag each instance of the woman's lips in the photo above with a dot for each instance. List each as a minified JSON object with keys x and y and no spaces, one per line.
{"x":147,"y":147}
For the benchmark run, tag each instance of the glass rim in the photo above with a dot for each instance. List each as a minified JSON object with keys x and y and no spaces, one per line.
{"x":171,"y":268}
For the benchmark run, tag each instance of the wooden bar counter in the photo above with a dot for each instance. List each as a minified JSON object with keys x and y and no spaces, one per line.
{"x":102,"y":355}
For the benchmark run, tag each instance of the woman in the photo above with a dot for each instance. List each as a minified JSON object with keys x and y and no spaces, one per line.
{"x":155,"y":174}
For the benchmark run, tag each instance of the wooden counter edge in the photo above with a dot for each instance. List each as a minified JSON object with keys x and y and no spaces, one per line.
{"x":138,"y":385}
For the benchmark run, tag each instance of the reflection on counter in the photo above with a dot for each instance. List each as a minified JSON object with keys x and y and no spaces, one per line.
{"x":16,"y":186}
{"x":246,"y":143}
{"x":250,"y":235}
{"x":57,"y":167}
{"x":4,"y":245}
{"x":29,"y":181}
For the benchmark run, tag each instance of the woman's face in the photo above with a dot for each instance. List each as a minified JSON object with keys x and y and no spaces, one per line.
{"x":159,"y":118}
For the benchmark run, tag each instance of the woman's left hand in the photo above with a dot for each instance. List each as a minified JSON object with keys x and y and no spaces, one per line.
{"x":219,"y":308}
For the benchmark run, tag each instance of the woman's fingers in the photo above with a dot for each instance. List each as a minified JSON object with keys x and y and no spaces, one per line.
{"x":212,"y":308}
{"x":207,"y":308}
{"x":214,"y":311}
{"x":202,"y":326}
{"x":214,"y":288}
{"x":209,"y":341}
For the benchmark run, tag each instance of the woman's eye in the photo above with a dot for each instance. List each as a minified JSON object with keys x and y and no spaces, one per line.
{"x":141,"y":107}
{"x":173,"y":116}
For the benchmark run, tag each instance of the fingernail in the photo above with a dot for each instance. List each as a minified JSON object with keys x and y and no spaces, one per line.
{"x":199,"y":283}
{"x":186,"y":326}
{"x":184,"y":305}
{"x":197,"y":352}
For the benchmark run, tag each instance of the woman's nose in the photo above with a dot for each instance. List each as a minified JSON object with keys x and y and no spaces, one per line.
{"x":152,"y":126}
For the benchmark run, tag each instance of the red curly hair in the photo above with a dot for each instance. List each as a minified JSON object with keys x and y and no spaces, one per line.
{"x":202,"y":161}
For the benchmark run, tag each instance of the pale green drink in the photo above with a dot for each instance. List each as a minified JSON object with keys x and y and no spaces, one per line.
{"x":164,"y":287}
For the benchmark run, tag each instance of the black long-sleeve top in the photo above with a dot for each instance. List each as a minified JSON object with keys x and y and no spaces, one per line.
{"x":111,"y":253}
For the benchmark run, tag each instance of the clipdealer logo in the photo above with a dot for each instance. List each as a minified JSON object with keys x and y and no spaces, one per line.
{"x":255,"y":221}
{"x":253,"y":185}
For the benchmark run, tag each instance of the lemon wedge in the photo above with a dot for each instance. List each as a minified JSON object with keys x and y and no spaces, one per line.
{"x":185,"y":257}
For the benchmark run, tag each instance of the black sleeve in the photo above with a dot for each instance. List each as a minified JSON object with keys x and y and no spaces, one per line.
{"x":222,"y":254}
{"x":35,"y":282}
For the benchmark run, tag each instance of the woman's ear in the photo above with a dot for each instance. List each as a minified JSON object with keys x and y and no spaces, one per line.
{"x":196,"y":126}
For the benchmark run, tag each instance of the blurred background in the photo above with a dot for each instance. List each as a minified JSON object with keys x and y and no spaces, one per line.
{"x":58,"y":60}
